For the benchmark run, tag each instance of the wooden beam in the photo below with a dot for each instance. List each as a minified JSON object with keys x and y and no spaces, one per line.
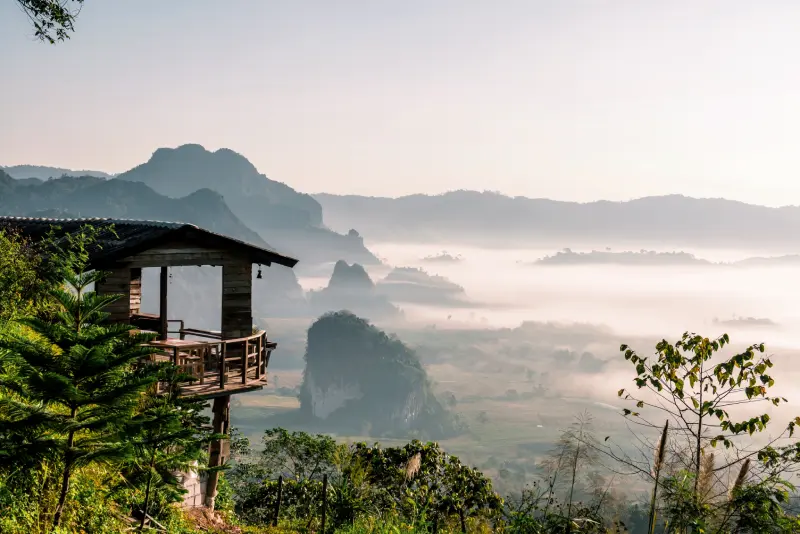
{"x":163,"y":290}
{"x":181,"y":254}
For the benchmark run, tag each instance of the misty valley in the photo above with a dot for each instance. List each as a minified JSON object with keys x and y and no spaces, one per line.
{"x":495,"y":352}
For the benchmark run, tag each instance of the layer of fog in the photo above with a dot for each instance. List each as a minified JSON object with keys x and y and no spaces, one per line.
{"x":640,"y":304}
{"x":641,"y":300}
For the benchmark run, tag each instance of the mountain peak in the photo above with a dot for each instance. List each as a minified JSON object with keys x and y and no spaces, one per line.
{"x":350,"y":277}
{"x":180,"y":171}
{"x":196,"y":159}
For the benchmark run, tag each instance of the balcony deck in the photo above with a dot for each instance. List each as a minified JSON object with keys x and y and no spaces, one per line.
{"x":218,"y":367}
{"x":210,"y":386}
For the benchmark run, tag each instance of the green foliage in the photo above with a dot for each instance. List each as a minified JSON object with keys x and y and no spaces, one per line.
{"x":419,"y":482}
{"x":424,"y":482}
{"x":297,"y":454}
{"x":696,"y":392}
{"x":82,"y":434}
{"x":695,"y":387}
{"x":30,"y":269}
{"x":684,"y":511}
{"x":53,"y":20}
{"x":26,"y":504}
{"x":167,"y":437}
{"x":68,"y":390}
{"x":761,"y":507}
{"x":20,"y":282}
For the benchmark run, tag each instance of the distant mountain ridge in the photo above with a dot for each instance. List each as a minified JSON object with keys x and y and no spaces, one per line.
{"x":491,"y":219}
{"x":88,"y":196}
{"x":289,"y":219}
{"x":40,"y":172}
{"x":650,"y":257}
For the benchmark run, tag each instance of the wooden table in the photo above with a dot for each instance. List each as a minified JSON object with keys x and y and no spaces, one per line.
{"x":187,"y":354}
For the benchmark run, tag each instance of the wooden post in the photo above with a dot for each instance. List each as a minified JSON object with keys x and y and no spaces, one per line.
{"x":245,"y":359}
{"x":218,"y":451}
{"x":278,"y":503}
{"x":163,"y":289}
{"x":260,"y":348}
{"x":324,"y":500}
{"x":237,"y":321}
{"x":222,"y":352}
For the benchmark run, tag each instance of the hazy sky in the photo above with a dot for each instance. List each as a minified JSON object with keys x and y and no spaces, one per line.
{"x":574,"y":100}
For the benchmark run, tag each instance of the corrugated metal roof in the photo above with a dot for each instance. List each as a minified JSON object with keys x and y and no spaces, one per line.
{"x":133,"y":236}
{"x":92,"y":220}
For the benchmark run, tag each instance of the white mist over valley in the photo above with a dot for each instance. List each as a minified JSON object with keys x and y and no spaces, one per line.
{"x":506,"y":289}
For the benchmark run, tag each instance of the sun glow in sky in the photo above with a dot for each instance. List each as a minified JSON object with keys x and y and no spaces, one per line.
{"x":573,"y":100}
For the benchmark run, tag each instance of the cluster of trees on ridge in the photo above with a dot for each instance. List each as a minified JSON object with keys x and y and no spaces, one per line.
{"x":86,"y":446}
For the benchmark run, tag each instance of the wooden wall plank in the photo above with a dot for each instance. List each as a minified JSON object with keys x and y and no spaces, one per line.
{"x":117,"y":282}
{"x":237,"y":300}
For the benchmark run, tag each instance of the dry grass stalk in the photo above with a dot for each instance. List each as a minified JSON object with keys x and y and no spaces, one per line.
{"x":413,"y":465}
{"x":740,"y":478}
{"x":659,"y":452}
{"x":706,"y":480}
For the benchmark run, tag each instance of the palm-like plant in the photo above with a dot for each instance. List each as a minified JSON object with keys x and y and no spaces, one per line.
{"x":71,"y":385}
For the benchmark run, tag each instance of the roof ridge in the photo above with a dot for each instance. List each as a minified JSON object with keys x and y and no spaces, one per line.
{"x":150,"y":222}
{"x":141,"y":230}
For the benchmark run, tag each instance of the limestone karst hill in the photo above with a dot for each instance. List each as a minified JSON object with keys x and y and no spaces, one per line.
{"x":350,"y":287}
{"x":357,"y":377}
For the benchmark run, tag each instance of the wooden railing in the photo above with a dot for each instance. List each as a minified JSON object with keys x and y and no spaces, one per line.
{"x":210,"y":359}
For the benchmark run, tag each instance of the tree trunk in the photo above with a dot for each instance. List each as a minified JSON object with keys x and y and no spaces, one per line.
{"x":62,"y":497}
{"x":463,"y":520}
{"x":147,"y":490}
{"x":698,"y":445}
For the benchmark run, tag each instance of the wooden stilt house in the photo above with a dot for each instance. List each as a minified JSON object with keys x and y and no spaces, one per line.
{"x":233,"y":360}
